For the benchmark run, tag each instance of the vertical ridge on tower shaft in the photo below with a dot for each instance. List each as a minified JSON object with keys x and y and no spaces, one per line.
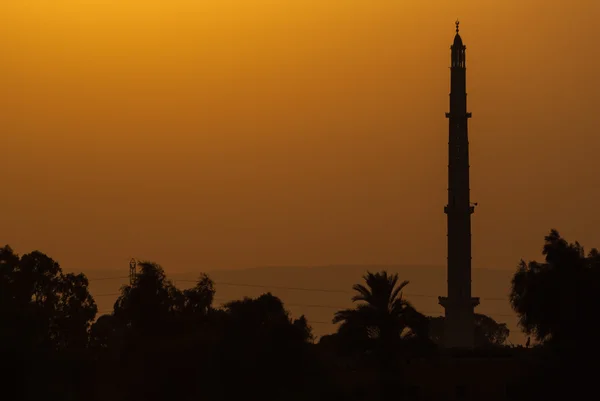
{"x":459,"y":305}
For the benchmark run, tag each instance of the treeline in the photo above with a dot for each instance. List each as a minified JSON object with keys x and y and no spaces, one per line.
{"x":162,"y":342}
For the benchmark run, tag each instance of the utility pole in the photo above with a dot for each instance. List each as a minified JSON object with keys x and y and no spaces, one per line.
{"x":132,"y":272}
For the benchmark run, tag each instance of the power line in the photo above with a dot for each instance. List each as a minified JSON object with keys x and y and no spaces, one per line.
{"x":274,"y":287}
{"x":323,"y":289}
{"x":107,"y":278}
{"x":293,"y":288}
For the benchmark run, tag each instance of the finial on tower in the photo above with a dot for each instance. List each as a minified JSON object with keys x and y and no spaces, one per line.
{"x":457,"y":22}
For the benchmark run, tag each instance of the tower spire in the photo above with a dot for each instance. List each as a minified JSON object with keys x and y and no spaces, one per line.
{"x":459,"y":305}
{"x":457,"y":22}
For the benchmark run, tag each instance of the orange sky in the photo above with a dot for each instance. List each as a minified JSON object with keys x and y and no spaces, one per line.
{"x":218,"y":134}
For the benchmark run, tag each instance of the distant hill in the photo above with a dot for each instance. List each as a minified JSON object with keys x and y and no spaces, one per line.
{"x":318,"y":292}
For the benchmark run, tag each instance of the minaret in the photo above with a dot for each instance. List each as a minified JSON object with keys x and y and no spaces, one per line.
{"x":459,"y":326}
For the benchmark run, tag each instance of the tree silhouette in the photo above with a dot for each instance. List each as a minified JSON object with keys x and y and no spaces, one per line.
{"x":74,"y":312}
{"x":379,"y":326}
{"x":150,"y":305}
{"x":265,"y":318}
{"x":383,"y":315}
{"x":154,"y":330}
{"x":304,"y":329}
{"x":40,"y":306}
{"x":487,"y":331}
{"x":554,"y":299}
{"x":263,"y":349}
{"x":162,"y":342}
{"x":105,"y":332}
{"x":45,"y":315}
{"x":198,"y":300}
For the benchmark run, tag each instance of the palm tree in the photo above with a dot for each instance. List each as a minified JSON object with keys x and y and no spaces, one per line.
{"x":383,"y":314}
{"x":379,"y":323}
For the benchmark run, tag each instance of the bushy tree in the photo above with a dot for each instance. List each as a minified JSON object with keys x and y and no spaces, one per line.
{"x":488,"y":332}
{"x":265,"y":319}
{"x":42,"y":307}
{"x":554,"y":299}
{"x":45,"y":315}
{"x":263,"y":349}
{"x":152,"y":307}
{"x":197,"y":301}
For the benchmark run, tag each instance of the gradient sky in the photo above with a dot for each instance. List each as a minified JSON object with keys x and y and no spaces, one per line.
{"x":224,"y":134}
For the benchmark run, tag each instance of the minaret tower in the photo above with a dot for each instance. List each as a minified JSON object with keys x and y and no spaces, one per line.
{"x":459,"y":326}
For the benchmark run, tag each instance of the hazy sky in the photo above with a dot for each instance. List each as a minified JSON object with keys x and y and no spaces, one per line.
{"x":219,"y":134}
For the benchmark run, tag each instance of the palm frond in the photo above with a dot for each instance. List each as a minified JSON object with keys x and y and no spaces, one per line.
{"x":343,"y":315}
{"x":364,"y":294}
{"x":397,"y":291}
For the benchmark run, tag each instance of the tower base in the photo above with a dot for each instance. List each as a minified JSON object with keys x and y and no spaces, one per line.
{"x":459,"y":322}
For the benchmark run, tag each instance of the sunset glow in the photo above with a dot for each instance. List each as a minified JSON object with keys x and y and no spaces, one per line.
{"x":291,"y":132}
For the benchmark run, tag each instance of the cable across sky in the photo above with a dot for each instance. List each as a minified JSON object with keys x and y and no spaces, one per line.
{"x":301,"y":305}
{"x":287,"y":288}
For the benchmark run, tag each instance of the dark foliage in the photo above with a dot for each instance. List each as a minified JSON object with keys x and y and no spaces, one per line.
{"x":40,"y":306}
{"x":161,"y":342}
{"x":488,"y":332}
{"x":555,"y":300}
